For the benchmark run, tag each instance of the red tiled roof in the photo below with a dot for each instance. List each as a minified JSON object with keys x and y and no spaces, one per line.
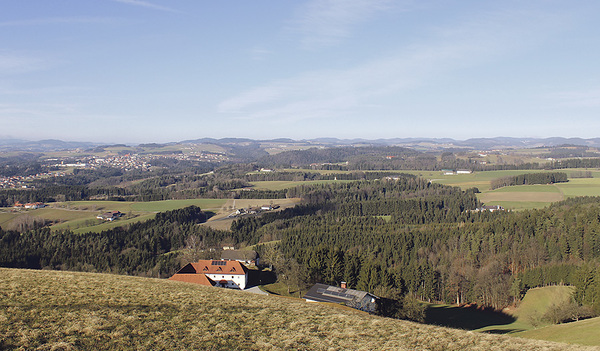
{"x":214,"y":267}
{"x":192,"y":278}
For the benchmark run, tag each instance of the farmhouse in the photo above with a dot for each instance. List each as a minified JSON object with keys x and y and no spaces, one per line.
{"x":34,"y":205}
{"x":110,"y":216}
{"x":490,"y":208}
{"x":222,"y":273}
{"x":361,"y":300}
{"x":29,"y":205}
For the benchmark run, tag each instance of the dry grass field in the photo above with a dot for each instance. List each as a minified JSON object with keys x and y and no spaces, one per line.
{"x":49,"y":310}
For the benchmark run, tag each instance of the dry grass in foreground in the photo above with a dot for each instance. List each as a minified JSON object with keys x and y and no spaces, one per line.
{"x":47,"y":310}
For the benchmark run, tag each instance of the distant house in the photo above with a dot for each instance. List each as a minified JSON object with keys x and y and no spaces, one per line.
{"x":448,"y":172}
{"x":361,"y":300}
{"x":110,"y":216}
{"x":244,"y":256}
{"x":34,"y":205}
{"x":463,"y":171}
{"x":224,"y":274}
{"x":492,"y":208}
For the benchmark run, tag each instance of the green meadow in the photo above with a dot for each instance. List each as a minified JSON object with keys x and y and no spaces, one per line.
{"x":522,"y":196}
{"x":514,"y":197}
{"x":585,"y":332}
{"x":523,"y":321}
{"x":80,"y":216}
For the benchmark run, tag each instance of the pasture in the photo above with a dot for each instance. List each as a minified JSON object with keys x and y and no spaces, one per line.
{"x":519,"y":321}
{"x":583,"y":332}
{"x":513,"y":198}
{"x":80,"y":216}
{"x":522,"y":196}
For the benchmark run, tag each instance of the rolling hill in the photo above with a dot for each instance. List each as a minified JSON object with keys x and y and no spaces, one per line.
{"x":83,"y":311}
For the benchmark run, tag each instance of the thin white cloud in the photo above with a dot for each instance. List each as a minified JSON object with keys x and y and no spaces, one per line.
{"x":381,"y":83}
{"x":580,"y":98}
{"x":37,"y":110}
{"x":11,"y":63}
{"x":259,"y":54}
{"x":9,"y":89}
{"x":148,"y":5}
{"x":56,"y":20}
{"x":326,"y":22}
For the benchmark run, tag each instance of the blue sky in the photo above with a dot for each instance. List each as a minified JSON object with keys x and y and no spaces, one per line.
{"x":137,"y":71}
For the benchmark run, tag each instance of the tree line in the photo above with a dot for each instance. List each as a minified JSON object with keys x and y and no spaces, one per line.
{"x":151,"y":248}
{"x":529,"y":179}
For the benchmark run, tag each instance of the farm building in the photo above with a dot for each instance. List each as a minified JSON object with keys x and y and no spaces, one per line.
{"x":491,"y":208}
{"x":32,"y":205}
{"x":195,"y":278}
{"x":244,"y":256}
{"x":361,"y":300}
{"x":221,"y":273}
{"x":110,"y":216}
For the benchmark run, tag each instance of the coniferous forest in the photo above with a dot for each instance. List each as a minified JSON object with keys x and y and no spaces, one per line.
{"x":393,"y":237}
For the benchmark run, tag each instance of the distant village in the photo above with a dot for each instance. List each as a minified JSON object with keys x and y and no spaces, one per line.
{"x":130,"y":162}
{"x":22,"y":182}
{"x":126,"y":162}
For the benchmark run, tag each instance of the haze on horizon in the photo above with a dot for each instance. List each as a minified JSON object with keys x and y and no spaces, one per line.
{"x":157,"y":71}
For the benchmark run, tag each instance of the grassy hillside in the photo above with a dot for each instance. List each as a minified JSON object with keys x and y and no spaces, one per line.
{"x":583,"y":332}
{"x":522,"y":321}
{"x":83,"y":311}
{"x":537,"y":301}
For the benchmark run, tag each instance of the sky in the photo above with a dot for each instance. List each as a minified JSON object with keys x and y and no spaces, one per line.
{"x":136,"y":71}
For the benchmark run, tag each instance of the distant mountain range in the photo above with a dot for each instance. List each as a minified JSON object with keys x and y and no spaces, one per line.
{"x":417,"y":143}
{"x":43,"y":145}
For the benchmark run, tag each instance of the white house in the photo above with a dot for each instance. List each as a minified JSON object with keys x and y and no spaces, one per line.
{"x":222,"y":273}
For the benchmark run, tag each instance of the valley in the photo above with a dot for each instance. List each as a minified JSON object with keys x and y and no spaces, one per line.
{"x":441,"y":238}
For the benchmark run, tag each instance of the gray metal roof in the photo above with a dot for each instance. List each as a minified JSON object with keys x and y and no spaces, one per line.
{"x":239,"y":255}
{"x":327,"y":293}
